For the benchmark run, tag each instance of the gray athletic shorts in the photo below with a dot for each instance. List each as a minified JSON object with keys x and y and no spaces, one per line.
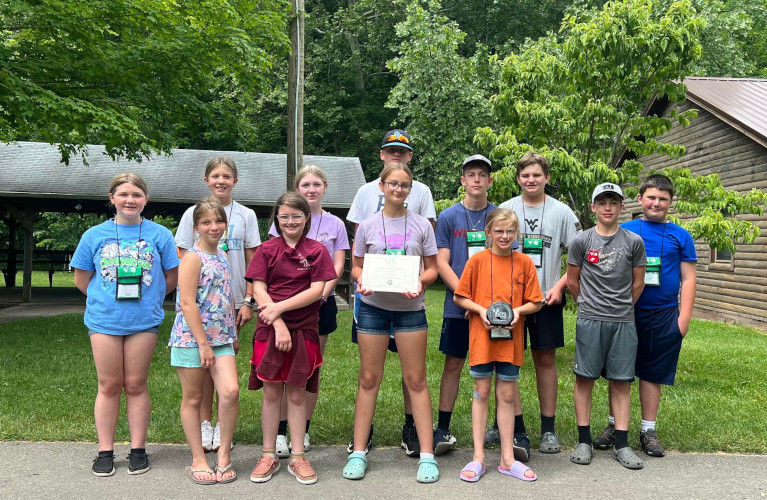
{"x":605,"y":348}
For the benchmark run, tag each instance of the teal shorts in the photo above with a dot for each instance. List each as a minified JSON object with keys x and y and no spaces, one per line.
{"x":189,"y":357}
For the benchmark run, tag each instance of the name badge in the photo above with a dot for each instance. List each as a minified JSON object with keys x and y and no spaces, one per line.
{"x":652,"y":272}
{"x":593,"y":256}
{"x":533,"y":248}
{"x":223,"y":246}
{"x":395,"y":251}
{"x":475,"y":241}
{"x":128,"y":283}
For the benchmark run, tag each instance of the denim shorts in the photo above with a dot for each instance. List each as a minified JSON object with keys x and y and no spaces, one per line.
{"x":189,"y":357}
{"x":503,"y":371}
{"x":376,"y":321}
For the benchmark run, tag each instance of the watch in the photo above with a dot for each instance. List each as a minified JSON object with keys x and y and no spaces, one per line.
{"x":249,"y":301}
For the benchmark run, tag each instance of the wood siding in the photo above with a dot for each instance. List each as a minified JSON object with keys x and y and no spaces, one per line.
{"x":734,"y":292}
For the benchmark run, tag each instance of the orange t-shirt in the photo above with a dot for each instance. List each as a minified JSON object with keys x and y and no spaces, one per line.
{"x":475,"y":285}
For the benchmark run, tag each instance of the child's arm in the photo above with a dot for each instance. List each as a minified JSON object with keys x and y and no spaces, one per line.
{"x":554,"y":294}
{"x":357,"y":263}
{"x":638,"y":285}
{"x":529,"y":308}
{"x":188,"y":277}
{"x":339,"y":257}
{"x":83,"y":279}
{"x":472,"y":307}
{"x":270,"y":312}
{"x":282,"y":340}
{"x":689,"y":274}
{"x":445,"y":271}
{"x":574,"y":280}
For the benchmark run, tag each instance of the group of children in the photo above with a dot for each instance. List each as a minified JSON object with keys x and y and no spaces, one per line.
{"x":502,"y":270}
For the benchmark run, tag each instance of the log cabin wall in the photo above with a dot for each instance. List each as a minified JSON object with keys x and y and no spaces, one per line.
{"x":728,"y":289}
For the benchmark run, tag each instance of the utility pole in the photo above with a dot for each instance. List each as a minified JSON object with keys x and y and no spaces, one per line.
{"x":296,"y":93}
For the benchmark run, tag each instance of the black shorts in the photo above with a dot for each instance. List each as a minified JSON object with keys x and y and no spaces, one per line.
{"x":546,"y":328}
{"x":660,"y":341}
{"x":328,"y":316}
{"x":454,"y":340}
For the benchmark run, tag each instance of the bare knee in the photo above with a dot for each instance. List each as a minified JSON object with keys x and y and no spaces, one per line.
{"x":416,"y":383}
{"x":545,"y":359}
{"x":110,"y":387}
{"x":453,"y":365}
{"x":296,"y":397}
{"x":369,"y":381}
{"x":272,"y":393}
{"x":135,"y":386}
{"x":228,"y":395}
{"x":481,"y":394}
{"x":505,"y":392}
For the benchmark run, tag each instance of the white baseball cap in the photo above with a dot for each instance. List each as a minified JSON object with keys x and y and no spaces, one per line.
{"x":606,"y":187}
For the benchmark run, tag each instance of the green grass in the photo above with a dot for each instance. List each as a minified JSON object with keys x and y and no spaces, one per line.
{"x":47,"y":388}
{"x":40,"y":279}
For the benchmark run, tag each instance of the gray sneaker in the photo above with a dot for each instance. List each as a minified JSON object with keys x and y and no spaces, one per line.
{"x":606,"y":440}
{"x":492,"y":436}
{"x":550,"y":443}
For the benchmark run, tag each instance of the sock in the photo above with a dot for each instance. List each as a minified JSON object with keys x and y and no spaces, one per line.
{"x":138,"y":451}
{"x":584,"y":434}
{"x":359,"y":453}
{"x":426,"y":455}
{"x":409,"y":419}
{"x":308,"y":423}
{"x":519,"y":424}
{"x":621,"y":439}
{"x":648,"y":424}
{"x":547,"y":424}
{"x":107,"y":453}
{"x":295,"y":456}
{"x":443,"y":420}
{"x":282,"y":430}
{"x":611,"y":420}
{"x":270,"y":453}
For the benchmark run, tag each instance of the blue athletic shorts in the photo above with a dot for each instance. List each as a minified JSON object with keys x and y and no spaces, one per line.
{"x":189,"y":357}
{"x":454,"y":340}
{"x":503,"y":371}
{"x":660,"y":341}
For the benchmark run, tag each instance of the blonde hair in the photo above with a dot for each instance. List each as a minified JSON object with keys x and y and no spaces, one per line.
{"x":310,"y":170}
{"x":393,"y":166}
{"x":209,"y":204}
{"x":221,"y":161}
{"x":500,"y":215}
{"x":130,"y":178}
{"x":293,"y":200}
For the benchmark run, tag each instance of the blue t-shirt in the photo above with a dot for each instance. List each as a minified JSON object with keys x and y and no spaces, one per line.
{"x":677,"y":246}
{"x":452,"y":225}
{"x":100,"y":251}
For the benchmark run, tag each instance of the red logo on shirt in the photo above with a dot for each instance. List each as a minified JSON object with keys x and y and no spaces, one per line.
{"x":593,"y":256}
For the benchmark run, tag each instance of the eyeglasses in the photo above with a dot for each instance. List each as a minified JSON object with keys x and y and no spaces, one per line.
{"x":502,"y":232}
{"x":397,"y":185}
{"x":294,"y":217}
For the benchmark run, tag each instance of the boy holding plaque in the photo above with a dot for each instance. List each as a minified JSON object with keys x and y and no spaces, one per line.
{"x":498,"y":287}
{"x":460,"y":234}
{"x":548,"y":226}
{"x":661,"y":315}
{"x":605,"y":276}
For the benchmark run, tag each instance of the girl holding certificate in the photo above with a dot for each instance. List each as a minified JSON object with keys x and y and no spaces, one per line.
{"x":394,"y":231}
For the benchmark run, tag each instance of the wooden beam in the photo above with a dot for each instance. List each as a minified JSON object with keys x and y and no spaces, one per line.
{"x":296,"y":93}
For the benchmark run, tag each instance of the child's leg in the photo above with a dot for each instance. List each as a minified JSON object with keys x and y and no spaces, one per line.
{"x":412,"y":355}
{"x":296,"y":397}
{"x":582,"y":399}
{"x":504,"y":400}
{"x":649,"y":398}
{"x":270,"y":413}
{"x":479,"y":408}
{"x":206,"y":407}
{"x":137,"y":351}
{"x":372,"y":357}
{"x":620,"y":402}
{"x":191,"y":397}
{"x":108,"y":358}
{"x":224,"y":374}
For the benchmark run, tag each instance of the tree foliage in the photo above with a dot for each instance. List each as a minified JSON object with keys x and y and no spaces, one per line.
{"x":134,"y":75}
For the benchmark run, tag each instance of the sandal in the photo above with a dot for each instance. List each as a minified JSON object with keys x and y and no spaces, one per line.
{"x":190,"y":473}
{"x":427,"y":471}
{"x":356,"y":465}
{"x":627,"y":458}
{"x":224,"y":470}
{"x":518,"y":470}
{"x":474,"y":467}
{"x":582,"y":454}
{"x":264,"y":469}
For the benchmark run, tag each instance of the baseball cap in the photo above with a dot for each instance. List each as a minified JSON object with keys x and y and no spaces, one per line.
{"x":478,"y":160}
{"x":397,"y":137}
{"x":606,"y":187}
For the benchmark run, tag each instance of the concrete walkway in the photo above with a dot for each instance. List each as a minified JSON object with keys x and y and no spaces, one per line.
{"x":62,"y":470}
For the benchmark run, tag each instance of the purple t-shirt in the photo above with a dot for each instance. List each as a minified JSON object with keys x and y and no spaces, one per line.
{"x":413,"y":233}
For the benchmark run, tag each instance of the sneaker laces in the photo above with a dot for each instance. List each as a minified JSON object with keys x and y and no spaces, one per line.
{"x":651,"y":438}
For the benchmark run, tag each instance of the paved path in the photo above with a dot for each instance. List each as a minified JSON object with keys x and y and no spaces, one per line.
{"x":62,"y":470}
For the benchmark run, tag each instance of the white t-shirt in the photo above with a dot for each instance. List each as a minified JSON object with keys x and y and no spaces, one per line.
{"x":370,"y":200}
{"x":241,"y":234}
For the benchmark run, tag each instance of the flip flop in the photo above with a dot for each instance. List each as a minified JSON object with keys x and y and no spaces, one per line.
{"x":224,"y":470}
{"x":427,"y":471}
{"x":518,"y":470}
{"x":190,"y":474}
{"x":356,"y":466}
{"x":477,"y":468}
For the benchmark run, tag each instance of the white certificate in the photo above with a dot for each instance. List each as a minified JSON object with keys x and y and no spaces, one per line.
{"x":391,"y":273}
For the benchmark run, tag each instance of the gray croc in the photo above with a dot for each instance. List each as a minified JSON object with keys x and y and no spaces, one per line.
{"x":627,"y":458}
{"x":582,"y":454}
{"x":550,"y":443}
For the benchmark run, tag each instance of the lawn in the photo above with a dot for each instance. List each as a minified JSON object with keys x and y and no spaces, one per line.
{"x":47,"y":393}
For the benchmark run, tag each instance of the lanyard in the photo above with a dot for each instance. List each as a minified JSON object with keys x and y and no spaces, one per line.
{"x":492,"y":299}
{"x":228,"y":222}
{"x":662,"y":236}
{"x":543,"y":212}
{"x":473,"y":227}
{"x":404,"y":234}
{"x":117,"y":237}
{"x":317,"y":234}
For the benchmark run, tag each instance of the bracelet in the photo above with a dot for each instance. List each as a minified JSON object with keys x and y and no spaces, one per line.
{"x":248,"y":304}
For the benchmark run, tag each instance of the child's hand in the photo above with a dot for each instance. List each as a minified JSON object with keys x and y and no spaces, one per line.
{"x":411,"y":295}
{"x":483,"y":315}
{"x":361,"y":290}
{"x":282,"y":339}
{"x":514,"y":321}
{"x":245,"y":315}
{"x":270,"y":312}
{"x":236,"y":346}
{"x":207,"y":358}
{"x":553,"y":296}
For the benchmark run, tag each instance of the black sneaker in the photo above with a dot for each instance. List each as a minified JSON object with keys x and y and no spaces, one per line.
{"x":521,"y":446}
{"x":651,"y":443}
{"x":104,"y":464}
{"x":410,"y":441}
{"x":606,"y":440}
{"x":139,"y":463}
{"x":444,"y":441}
{"x":350,"y":447}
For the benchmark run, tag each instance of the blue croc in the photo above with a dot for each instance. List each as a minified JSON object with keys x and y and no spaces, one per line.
{"x":427,"y":471}
{"x":356,"y":466}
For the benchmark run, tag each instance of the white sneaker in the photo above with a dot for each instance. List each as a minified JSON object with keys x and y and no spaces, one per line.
{"x":282,"y":447}
{"x":207,"y":435}
{"x":306,"y":442}
{"x":217,"y":438}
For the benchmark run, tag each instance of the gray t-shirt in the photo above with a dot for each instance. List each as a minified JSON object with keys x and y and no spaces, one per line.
{"x":555,"y":224}
{"x":607,"y":264}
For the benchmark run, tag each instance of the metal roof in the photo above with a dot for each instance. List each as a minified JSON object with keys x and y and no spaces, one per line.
{"x":34,"y":170}
{"x":740,"y":102}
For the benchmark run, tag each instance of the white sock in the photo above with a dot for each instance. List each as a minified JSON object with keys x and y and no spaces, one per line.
{"x":361,"y":454}
{"x":648,"y":424}
{"x":427,"y":455}
{"x":611,"y":419}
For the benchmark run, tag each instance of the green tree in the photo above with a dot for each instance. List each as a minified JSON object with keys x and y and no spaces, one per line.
{"x":578,"y":96}
{"x":134,"y":75}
